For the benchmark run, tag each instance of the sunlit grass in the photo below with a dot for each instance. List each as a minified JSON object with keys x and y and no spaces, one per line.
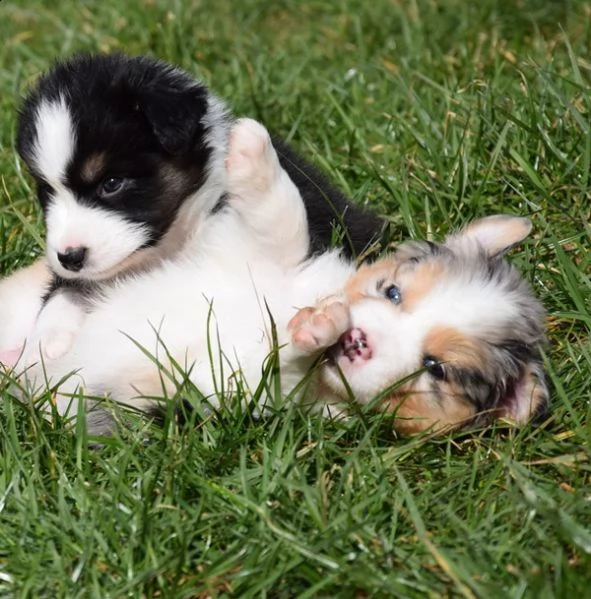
{"x":433,"y":113}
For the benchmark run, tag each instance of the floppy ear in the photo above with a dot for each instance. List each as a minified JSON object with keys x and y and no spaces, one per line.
{"x":497,"y":234}
{"x":175,"y":116}
{"x":528,"y":399}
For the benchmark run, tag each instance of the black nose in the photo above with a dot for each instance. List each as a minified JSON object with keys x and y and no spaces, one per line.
{"x":72,"y":258}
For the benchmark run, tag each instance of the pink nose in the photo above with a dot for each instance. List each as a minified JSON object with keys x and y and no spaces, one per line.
{"x":354,"y":343}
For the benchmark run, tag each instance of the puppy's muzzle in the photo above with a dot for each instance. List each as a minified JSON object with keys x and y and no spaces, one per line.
{"x":73,"y":258}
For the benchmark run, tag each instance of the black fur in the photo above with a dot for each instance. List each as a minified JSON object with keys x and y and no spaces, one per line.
{"x":143,"y":120}
{"x":143,"y":115}
{"x":328,"y":209}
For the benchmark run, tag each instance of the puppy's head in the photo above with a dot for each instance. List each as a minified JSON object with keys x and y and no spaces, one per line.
{"x":448,"y":334}
{"x":116,"y":145}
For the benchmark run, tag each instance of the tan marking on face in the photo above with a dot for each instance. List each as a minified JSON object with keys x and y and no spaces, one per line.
{"x":415,"y":281}
{"x":417,"y":284}
{"x":449,"y":345}
{"x":363,"y":282}
{"x":93,"y":167}
{"x":417,"y":409}
{"x":174,"y":179}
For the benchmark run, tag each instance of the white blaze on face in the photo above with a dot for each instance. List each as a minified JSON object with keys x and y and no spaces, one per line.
{"x":109,"y":238}
{"x":55,"y":142}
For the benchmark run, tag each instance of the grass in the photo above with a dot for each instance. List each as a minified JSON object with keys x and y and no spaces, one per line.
{"x":433,"y":113}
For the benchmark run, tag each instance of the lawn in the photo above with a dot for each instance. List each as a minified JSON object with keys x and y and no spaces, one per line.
{"x":432,"y":113}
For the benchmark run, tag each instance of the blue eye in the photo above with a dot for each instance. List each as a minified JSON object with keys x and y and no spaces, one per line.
{"x":434,"y":367}
{"x":393,"y":294}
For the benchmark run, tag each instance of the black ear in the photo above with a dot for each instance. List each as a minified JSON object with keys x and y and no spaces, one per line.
{"x":175,"y":116}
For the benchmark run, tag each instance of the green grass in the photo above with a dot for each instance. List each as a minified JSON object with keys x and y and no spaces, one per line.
{"x":433,"y":113}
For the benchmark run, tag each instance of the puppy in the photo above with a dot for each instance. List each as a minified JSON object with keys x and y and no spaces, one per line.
{"x":442,"y":334}
{"x":127,"y":156}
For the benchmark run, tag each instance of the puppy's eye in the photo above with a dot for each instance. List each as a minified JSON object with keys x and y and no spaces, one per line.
{"x":111,"y":185}
{"x":393,"y":294}
{"x":434,"y":368}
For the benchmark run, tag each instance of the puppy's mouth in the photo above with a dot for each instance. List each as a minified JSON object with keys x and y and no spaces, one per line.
{"x":352,"y":347}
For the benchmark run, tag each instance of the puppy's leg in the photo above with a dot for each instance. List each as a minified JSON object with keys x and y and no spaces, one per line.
{"x":21,"y":299}
{"x":313,"y":330}
{"x":56,"y":328}
{"x":264,"y":195}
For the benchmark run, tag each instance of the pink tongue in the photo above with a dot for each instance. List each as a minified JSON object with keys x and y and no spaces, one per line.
{"x":354,"y":344}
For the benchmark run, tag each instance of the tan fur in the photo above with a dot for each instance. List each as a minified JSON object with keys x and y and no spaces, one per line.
{"x":174,"y":179}
{"x":417,"y":282}
{"x":483,"y":358}
{"x":448,"y":345}
{"x":417,"y":406}
{"x":417,"y":410}
{"x":499,"y":233}
{"x":93,"y":168}
{"x":421,"y":281}
{"x":363,"y":282}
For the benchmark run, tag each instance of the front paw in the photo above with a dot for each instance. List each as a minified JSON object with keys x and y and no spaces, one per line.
{"x":251,"y":164}
{"x":315,"y":329}
{"x":50,"y":344}
{"x":57,"y":343}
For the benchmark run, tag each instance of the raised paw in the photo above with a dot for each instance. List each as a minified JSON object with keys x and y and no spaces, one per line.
{"x":318,"y":328}
{"x":252,"y":164}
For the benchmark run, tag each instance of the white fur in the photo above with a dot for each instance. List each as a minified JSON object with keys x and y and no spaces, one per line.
{"x":110,"y":240}
{"x":185,"y":231}
{"x":108,"y":237}
{"x":54,"y":145}
{"x":396,"y":337}
{"x":232,"y":280}
{"x":277,"y":218}
{"x":53,"y":334}
{"x":209,"y":311}
{"x":20,"y":301}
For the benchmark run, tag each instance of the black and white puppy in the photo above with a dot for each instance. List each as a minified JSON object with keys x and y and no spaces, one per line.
{"x":128,"y":157}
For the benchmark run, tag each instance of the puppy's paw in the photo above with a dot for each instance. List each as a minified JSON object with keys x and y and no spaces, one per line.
{"x":49,"y":344}
{"x":315,"y":329}
{"x":56,"y":343}
{"x":252,"y":164}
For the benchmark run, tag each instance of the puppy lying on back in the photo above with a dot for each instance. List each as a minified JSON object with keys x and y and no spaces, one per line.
{"x":454,"y":321}
{"x":127,"y":156}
